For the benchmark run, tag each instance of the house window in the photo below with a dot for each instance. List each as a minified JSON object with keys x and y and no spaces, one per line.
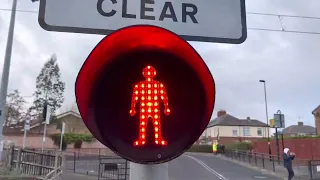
{"x":235,"y":132}
{"x":259,"y":131}
{"x":246,"y":131}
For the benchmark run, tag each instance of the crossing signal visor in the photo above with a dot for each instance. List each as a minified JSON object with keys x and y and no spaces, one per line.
{"x":145,"y":93}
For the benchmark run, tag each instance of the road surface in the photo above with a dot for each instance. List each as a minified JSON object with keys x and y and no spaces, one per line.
{"x":190,"y":167}
{"x":204,"y":167}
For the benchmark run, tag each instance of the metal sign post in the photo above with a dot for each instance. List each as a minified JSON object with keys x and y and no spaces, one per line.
{"x":47,"y":121}
{"x":26,"y":128}
{"x":279,"y":123}
{"x":149,"y":172}
{"x":62,"y":133}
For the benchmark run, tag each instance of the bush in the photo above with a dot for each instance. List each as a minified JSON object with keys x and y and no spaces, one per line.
{"x":77,"y":144}
{"x":70,"y":138}
{"x":201,"y":148}
{"x":243,"y":146}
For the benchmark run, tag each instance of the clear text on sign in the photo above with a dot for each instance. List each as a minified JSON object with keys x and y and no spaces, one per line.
{"x":147,"y":8}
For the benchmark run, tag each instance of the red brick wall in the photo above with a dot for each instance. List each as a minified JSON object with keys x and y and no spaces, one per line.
{"x":304,"y":148}
{"x":35,"y":141}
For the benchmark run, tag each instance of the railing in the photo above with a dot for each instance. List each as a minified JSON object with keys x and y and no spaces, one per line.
{"x":55,"y":174}
{"x":39,"y":165}
{"x":300,"y":166}
{"x":314,"y":167}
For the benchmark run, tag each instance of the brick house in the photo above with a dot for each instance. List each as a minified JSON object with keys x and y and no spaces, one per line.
{"x":316,"y":114}
{"x":74,"y":124}
{"x":228,"y":129}
{"x":299,"y":130}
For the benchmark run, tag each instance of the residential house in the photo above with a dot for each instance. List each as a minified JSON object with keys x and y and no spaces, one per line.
{"x":227,"y":129}
{"x":72,"y":119}
{"x":316,"y":114}
{"x":299,"y":130}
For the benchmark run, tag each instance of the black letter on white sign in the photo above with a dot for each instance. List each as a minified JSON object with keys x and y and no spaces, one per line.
{"x":172,"y":14}
{"x":190,"y":14}
{"x":124,"y":10}
{"x":144,"y":9}
{"x":103,"y":13}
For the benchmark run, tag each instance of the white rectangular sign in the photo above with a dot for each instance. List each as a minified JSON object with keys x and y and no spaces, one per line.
{"x":27,"y":127}
{"x":222,"y":21}
{"x":48,"y":114}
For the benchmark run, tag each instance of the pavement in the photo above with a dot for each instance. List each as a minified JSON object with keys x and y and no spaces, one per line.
{"x":189,"y":166}
{"x":272,"y":167}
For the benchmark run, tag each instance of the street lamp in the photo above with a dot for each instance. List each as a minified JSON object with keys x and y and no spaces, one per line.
{"x":265,"y":98}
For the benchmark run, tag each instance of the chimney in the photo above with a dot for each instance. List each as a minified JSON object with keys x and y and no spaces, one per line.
{"x":248,"y":118}
{"x":300,"y":123}
{"x":221,"y":113}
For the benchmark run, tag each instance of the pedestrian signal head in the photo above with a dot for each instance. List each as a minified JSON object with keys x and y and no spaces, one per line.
{"x":145,"y":93}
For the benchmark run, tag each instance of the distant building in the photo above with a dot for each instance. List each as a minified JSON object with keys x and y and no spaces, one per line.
{"x":72,"y":119}
{"x":316,"y":114}
{"x":227,"y":129}
{"x":299,"y":130}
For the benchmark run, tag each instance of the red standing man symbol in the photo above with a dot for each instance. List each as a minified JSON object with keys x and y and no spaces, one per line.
{"x":149,"y":92}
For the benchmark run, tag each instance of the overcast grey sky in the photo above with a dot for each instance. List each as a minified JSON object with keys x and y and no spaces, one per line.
{"x":289,"y":62}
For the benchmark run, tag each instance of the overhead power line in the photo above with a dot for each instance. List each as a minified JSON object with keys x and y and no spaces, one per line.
{"x":279,"y":16}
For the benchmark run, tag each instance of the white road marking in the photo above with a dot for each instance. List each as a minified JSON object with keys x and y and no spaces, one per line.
{"x":208,"y":168}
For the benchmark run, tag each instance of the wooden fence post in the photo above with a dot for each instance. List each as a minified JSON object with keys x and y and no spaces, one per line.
{"x":56,"y":161}
{"x":10,"y":156}
{"x":19,"y":160}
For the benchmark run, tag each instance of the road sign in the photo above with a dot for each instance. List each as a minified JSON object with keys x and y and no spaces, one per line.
{"x":63,"y":127}
{"x":27,"y":127}
{"x":279,"y":121}
{"x":222,"y":21}
{"x":147,"y":97}
{"x":271,"y":123}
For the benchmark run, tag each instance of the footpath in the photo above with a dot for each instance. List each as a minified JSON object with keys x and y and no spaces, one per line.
{"x":74,"y":176}
{"x":266,"y":166}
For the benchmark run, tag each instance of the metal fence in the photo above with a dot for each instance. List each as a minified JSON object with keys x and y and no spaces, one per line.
{"x":300,"y":166}
{"x":97,"y":162}
{"x":113,"y":168}
{"x":314,"y":166}
{"x":33,"y":163}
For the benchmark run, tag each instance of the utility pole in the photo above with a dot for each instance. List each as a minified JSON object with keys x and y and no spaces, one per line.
{"x":6,"y":72}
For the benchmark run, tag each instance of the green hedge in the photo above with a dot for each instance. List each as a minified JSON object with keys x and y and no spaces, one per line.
{"x":201,"y":148}
{"x":70,"y":138}
{"x":243,"y":146}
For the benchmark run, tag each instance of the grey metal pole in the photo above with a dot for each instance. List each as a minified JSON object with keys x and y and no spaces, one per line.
{"x":26,"y":124}
{"x":24,"y":137}
{"x":61,"y":138}
{"x":265,"y":98}
{"x":44,"y":135}
{"x":277,"y":141}
{"x":149,"y":172}
{"x":6,"y":69}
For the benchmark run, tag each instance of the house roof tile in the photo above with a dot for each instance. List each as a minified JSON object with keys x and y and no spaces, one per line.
{"x":228,"y":120}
